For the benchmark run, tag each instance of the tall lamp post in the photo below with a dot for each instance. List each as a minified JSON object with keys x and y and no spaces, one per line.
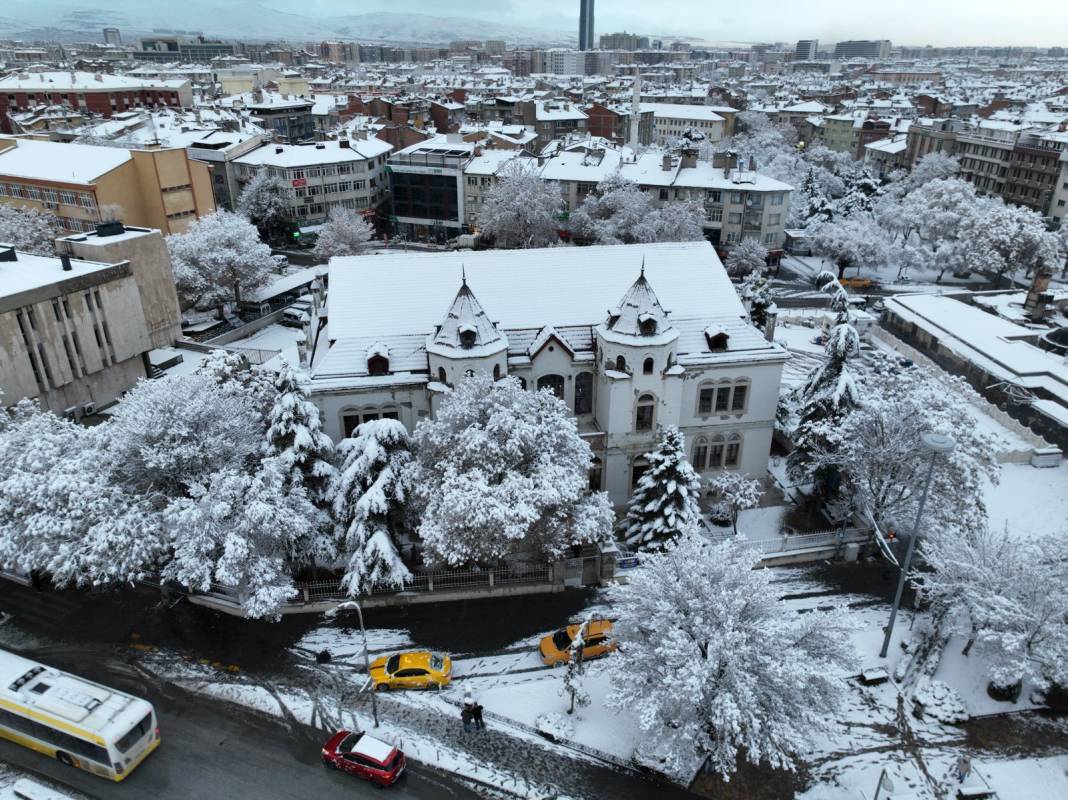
{"x":935,"y":444}
{"x":350,"y":605}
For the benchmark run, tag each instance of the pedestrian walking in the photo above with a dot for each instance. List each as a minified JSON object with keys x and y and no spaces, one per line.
{"x":476,"y":711}
{"x":466,"y":716}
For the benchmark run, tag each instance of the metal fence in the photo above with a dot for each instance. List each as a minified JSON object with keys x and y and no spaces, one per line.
{"x":788,"y":542}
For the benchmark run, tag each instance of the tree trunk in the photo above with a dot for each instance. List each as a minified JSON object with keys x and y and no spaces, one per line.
{"x":842,"y":265}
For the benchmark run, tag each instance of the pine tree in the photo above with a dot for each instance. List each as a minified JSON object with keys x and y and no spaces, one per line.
{"x":296,"y":436}
{"x":368,"y":494}
{"x":816,"y":207}
{"x":757,"y":290}
{"x":666,"y":500}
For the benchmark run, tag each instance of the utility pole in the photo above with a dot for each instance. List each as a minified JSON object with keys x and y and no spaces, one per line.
{"x":350,"y":605}
{"x":936,"y":444}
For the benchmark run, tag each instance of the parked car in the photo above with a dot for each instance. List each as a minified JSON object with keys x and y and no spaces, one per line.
{"x":365,"y":757}
{"x":296,"y":315}
{"x":414,"y":670}
{"x":556,"y":647}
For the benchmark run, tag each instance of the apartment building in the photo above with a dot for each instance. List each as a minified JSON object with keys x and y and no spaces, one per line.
{"x":1035,"y":167}
{"x":986,"y":153}
{"x":96,"y":93}
{"x":614,"y":123}
{"x":932,"y":136}
{"x":672,"y":120}
{"x":76,"y":329}
{"x":552,"y":119}
{"x":348,"y":173}
{"x":426,"y":182}
{"x":866,"y":49}
{"x":152,"y":188}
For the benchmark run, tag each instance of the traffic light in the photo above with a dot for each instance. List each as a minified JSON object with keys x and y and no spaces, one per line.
{"x":296,"y":234}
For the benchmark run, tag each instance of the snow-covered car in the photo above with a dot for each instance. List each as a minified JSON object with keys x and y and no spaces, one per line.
{"x":415,"y":670}
{"x":364,"y":756}
{"x":556,"y":647}
{"x":296,"y":315}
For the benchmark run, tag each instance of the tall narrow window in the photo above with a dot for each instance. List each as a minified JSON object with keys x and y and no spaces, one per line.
{"x":705,"y":397}
{"x":583,"y":393}
{"x":723,"y":394}
{"x":734,"y":447}
{"x":739,"y":397}
{"x":700,"y":453}
{"x":442,"y":377}
{"x":715,"y":453}
{"x":647,"y":366}
{"x":621,"y":364}
{"x":645,"y":412}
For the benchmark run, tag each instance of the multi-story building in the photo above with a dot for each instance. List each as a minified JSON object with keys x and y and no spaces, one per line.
{"x":483,"y":172}
{"x":1035,"y":170}
{"x":112,"y":36}
{"x":175,"y":49}
{"x":289,"y":117}
{"x":552,"y":119}
{"x":807,"y":50}
{"x":672,"y":120}
{"x":585,"y":37}
{"x":97,"y":93}
{"x":1059,"y":206}
{"x":348,"y":173}
{"x":986,"y":153}
{"x":426,"y":183}
{"x":614,"y":123}
{"x":76,"y":329}
{"x":218,"y":149}
{"x":931,"y":136}
{"x":675,"y":348}
{"x":621,"y":41}
{"x":869,"y":49}
{"x":153,"y":188}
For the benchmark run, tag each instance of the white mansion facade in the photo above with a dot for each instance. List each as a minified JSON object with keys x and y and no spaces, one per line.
{"x":631,"y":337}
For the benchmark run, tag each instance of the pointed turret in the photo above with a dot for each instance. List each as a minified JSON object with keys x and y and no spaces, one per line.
{"x":639,"y":313}
{"x":466,"y":329}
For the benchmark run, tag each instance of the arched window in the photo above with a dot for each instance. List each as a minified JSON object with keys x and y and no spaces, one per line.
{"x":621,"y":364}
{"x":496,"y":372}
{"x":715,"y":452}
{"x":553,"y":382}
{"x":522,"y":383}
{"x":378,"y":365}
{"x":740,"y":396}
{"x":638,"y":468}
{"x":700,"y":453}
{"x":467,"y":338}
{"x":349,"y":422}
{"x":734,"y":450}
{"x":390,"y":413}
{"x":647,"y":366}
{"x":723,"y":397}
{"x":442,"y":377}
{"x":645,"y":412}
{"x":584,"y":393}
{"x":596,"y":474}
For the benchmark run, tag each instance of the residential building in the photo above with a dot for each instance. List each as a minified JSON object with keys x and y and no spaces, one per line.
{"x":426,"y":182}
{"x":152,"y":188}
{"x":868,"y":49}
{"x":807,"y":50}
{"x":932,"y":136}
{"x":76,"y":329}
{"x":613,"y":123}
{"x":483,"y":172}
{"x":96,"y":93}
{"x":1035,"y":170}
{"x":112,"y":36}
{"x":886,"y":155}
{"x":168,"y":49}
{"x":585,"y":37}
{"x":623,"y":41}
{"x":551,"y":119}
{"x":288,"y":116}
{"x":348,"y":173}
{"x":672,"y":120}
{"x":675,"y":348}
{"x":219,"y":149}
{"x":1059,"y":206}
{"x":986,"y":153}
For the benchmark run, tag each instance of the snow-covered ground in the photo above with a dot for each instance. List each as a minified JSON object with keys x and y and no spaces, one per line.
{"x":274,"y":337}
{"x":1030,"y":501}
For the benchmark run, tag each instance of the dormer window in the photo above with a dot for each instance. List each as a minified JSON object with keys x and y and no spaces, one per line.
{"x":717,"y":340}
{"x":377,"y":365}
{"x":467,"y":338}
{"x":647,"y":325}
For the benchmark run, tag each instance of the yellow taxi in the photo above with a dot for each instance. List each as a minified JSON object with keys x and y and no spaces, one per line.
{"x":415,"y":670}
{"x":556,"y":647}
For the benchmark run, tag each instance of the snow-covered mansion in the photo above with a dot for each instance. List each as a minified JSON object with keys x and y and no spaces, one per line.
{"x":630,"y":337}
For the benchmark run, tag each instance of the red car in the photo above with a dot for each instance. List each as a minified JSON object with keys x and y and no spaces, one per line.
{"x":364,"y":756}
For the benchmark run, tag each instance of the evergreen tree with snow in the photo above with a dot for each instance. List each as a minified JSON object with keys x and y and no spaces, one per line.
{"x":756,"y":289}
{"x":265,"y":202}
{"x":368,"y":497}
{"x":666,"y":501}
{"x":344,"y":234}
{"x":295,"y":435}
{"x":745,"y":258}
{"x":862,"y":189}
{"x":29,"y":230}
{"x":815,"y":205}
{"x":737,"y":492}
{"x":521,"y":209}
{"x":501,"y":470}
{"x":219,"y":257}
{"x":728,"y":671}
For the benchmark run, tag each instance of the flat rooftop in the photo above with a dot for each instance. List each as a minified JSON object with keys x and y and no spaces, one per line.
{"x":29,"y":272}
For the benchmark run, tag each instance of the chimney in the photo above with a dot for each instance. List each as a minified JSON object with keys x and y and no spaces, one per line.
{"x":772,"y":313}
{"x":1038,"y":296}
{"x":279,"y":150}
{"x":666,"y":162}
{"x":64,"y":259}
{"x":343,"y":143}
{"x":109,"y":229}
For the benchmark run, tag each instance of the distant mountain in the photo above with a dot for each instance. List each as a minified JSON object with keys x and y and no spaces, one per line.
{"x":69,"y":20}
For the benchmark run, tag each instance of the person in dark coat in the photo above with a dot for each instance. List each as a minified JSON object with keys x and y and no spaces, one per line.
{"x":476,"y":711}
{"x":466,"y":716}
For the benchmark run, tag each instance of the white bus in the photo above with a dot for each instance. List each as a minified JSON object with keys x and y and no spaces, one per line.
{"x":78,"y":722}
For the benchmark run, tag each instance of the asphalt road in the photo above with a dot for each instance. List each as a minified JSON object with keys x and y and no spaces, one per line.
{"x":213,"y":751}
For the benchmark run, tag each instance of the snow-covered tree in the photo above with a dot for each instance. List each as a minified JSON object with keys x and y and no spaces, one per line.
{"x":855,"y":241}
{"x":619,"y":212}
{"x":218,"y":257}
{"x":813,"y":204}
{"x":1003,"y":238}
{"x":233,"y":374}
{"x":296,"y":436}
{"x":368,"y":495}
{"x":737,"y":492}
{"x":237,"y":529}
{"x":748,"y":256}
{"x":862,"y":189}
{"x":521,"y":209}
{"x":500,"y":470}
{"x":883,"y":465}
{"x":1008,"y":596}
{"x":936,"y":165}
{"x":666,"y":501}
{"x":344,"y":234}
{"x":28,"y":229}
{"x":265,"y":202}
{"x":574,"y":684}
{"x":712,"y":665}
{"x":756,"y":290}
{"x":175,"y":431}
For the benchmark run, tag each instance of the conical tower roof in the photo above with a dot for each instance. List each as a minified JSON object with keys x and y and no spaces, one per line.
{"x":639,"y":313}
{"x":466,"y":327}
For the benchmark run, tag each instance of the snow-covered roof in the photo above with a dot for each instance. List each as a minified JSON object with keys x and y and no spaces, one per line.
{"x":680,"y":111}
{"x":639,"y":313}
{"x":891,"y":146}
{"x":466,"y":328}
{"x":79,"y":82}
{"x":30,"y":272}
{"x":302,"y":155}
{"x":59,"y":162}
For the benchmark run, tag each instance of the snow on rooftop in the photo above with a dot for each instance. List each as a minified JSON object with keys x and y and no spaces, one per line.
{"x":77,"y":81}
{"x":299,"y":155}
{"x":29,"y":272}
{"x":680,"y":111}
{"x":60,"y":162}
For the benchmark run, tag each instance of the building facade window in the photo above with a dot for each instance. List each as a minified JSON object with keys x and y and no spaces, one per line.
{"x":621,"y":364}
{"x":583,"y":393}
{"x":734,"y":450}
{"x":645,"y":413}
{"x":647,"y":366}
{"x":700,"y":453}
{"x":553,"y":382}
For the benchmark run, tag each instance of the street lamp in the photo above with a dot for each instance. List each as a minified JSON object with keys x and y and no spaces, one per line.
{"x":936,"y":444}
{"x":350,"y":605}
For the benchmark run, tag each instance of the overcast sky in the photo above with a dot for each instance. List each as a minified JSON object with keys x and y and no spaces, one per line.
{"x":912,"y":22}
